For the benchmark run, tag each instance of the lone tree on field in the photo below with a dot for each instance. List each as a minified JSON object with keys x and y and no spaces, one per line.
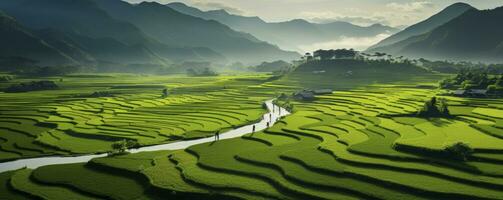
{"x":458,"y":151}
{"x":165,"y":92}
{"x":434,"y":108}
{"x":120,"y":147}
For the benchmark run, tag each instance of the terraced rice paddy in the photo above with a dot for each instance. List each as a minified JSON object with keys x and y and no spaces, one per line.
{"x":355,"y":144}
{"x":66,"y":121}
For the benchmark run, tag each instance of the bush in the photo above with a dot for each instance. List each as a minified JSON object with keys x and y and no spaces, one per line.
{"x":121,"y":147}
{"x":458,"y":151}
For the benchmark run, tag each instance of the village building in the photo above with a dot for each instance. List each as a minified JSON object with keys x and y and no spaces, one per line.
{"x":304,"y":95}
{"x":322,"y":91}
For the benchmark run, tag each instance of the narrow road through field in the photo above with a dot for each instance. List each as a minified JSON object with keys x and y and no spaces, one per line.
{"x":33,"y":163}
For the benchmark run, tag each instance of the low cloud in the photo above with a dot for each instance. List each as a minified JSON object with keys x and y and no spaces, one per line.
{"x":415,"y":6}
{"x":327,"y":17}
{"x":357,"y":43}
{"x":205,"y":5}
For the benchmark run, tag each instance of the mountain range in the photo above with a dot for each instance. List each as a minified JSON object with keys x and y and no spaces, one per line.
{"x":459,"y":32}
{"x":113,"y":31}
{"x":289,"y":34}
{"x":172,"y":27}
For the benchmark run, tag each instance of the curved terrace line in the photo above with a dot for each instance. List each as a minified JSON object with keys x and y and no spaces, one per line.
{"x":34,"y":163}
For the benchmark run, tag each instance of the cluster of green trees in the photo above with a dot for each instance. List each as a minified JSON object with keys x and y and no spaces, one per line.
{"x":434,"y":108}
{"x":276,"y":66}
{"x":47,"y":71}
{"x":32,"y":86}
{"x":474,"y":79}
{"x":283,"y":101}
{"x":201,"y":72}
{"x":331,"y":54}
{"x":5,"y":78}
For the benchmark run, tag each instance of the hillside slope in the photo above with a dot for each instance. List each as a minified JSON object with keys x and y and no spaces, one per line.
{"x":96,"y":32}
{"x":474,"y":36}
{"x":20,"y":42}
{"x":172,"y":27}
{"x":423,"y":27}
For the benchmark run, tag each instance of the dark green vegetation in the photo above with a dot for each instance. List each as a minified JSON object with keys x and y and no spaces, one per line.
{"x":32,"y":86}
{"x":434,"y":108}
{"x":276,"y":66}
{"x":474,"y":35}
{"x":468,"y":79}
{"x":289,"y":34}
{"x":88,"y":113}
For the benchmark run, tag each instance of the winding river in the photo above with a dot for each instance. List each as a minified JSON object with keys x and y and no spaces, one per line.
{"x":275,"y":112}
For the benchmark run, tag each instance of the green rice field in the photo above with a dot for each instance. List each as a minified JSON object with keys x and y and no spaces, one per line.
{"x":360,"y":142}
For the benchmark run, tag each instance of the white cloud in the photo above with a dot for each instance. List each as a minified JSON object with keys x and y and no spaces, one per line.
{"x":415,"y":6}
{"x":207,"y":5}
{"x":329,"y":16}
{"x":358,"y":43}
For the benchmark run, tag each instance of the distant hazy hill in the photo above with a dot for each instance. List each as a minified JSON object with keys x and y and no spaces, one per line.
{"x":290,"y":34}
{"x":474,"y":36}
{"x":349,"y":73}
{"x":19,"y":42}
{"x":172,"y":27}
{"x":425,"y":26}
{"x":84,"y":30}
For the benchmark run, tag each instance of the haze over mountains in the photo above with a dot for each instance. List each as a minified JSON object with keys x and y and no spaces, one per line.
{"x":292,"y":35}
{"x":114,"y":31}
{"x":110,"y":32}
{"x":460,"y":33}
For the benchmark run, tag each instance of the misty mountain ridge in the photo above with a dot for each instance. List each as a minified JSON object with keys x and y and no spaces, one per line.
{"x":83,"y":32}
{"x":424,"y":26}
{"x":289,"y":34}
{"x":172,"y":27}
{"x":96,"y":33}
{"x":18,"y":41}
{"x":475,"y":35}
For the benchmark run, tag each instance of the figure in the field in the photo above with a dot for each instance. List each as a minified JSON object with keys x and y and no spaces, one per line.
{"x":253,"y":129}
{"x":267,"y":124}
{"x":217,"y":135}
{"x":270,"y":117}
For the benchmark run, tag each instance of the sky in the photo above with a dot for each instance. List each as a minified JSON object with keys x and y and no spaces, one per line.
{"x":362,"y":12}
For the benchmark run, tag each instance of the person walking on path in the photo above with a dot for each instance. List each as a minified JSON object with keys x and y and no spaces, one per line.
{"x":267,"y":124}
{"x":217,"y":135}
{"x":253,"y":129}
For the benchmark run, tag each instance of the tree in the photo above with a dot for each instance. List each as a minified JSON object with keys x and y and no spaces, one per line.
{"x":458,"y":151}
{"x":323,"y":54}
{"x":121,"y":147}
{"x":165,"y":92}
{"x":431,"y":109}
